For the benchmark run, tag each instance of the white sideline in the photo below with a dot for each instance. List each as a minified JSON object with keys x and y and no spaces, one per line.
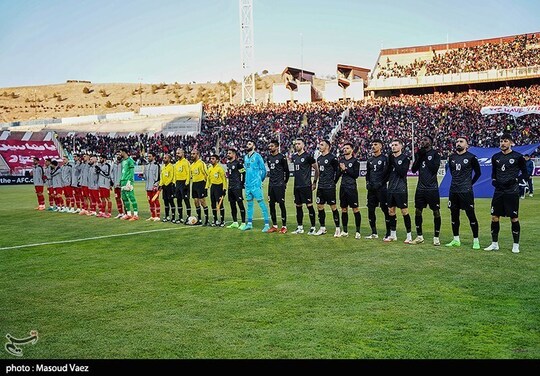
{"x":94,"y":238}
{"x":107,"y":236}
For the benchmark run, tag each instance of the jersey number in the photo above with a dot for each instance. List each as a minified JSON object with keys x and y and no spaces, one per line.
{"x":458,"y":167}
{"x":503,"y":168}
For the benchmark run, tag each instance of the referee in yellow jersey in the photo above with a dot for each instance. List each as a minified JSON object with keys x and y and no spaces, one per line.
{"x":217,"y":183}
{"x":166,"y":184}
{"x":198,"y":187}
{"x":182,"y":175}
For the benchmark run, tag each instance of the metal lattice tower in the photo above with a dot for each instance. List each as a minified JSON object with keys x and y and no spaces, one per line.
{"x":246,"y":51}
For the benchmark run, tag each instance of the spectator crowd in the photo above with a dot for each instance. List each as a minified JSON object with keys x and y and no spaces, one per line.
{"x":442,"y":115}
{"x":522,"y":51}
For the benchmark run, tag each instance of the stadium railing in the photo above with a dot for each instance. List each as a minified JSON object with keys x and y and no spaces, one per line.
{"x":456,"y":78}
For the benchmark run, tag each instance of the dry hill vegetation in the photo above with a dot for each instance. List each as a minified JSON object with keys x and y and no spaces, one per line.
{"x":84,"y":98}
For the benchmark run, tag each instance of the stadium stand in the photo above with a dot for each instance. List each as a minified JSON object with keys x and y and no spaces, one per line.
{"x":498,"y":59}
{"x":444,"y":115}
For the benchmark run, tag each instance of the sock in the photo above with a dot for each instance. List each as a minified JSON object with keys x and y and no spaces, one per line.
{"x":283,"y":210}
{"x":495,"y":227}
{"x":357,"y":220}
{"x":372,"y":218}
{"x":242,"y":211}
{"x":386,"y":220}
{"x":188,"y":209}
{"x":214,"y":214}
{"x":418,"y":219}
{"x":335,"y":214}
{"x":454,"y":215}
{"x":437,"y":225}
{"x":393,"y":223}
{"x":222,"y":214}
{"x":198,"y":210}
{"x":311,"y":212}
{"x":345,"y":220}
{"x":516,"y":229}
{"x":408,"y":223}
{"x":322,"y":217}
{"x":205,"y":208}
{"x":173,"y":212}
{"x":166,"y":210}
{"x":273,"y":212}
{"x":473,"y":221}
{"x":234,"y":211}
{"x":299,"y":215}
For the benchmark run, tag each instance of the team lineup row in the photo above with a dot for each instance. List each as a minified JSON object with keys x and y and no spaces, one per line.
{"x":84,"y":187}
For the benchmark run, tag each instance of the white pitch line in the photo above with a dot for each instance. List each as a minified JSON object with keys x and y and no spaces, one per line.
{"x":95,"y":238}
{"x":103,"y":237}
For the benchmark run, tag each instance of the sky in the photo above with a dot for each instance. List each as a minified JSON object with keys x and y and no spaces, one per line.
{"x":109,"y":41}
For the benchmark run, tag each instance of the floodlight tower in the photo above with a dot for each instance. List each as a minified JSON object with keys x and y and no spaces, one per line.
{"x":246,"y":51}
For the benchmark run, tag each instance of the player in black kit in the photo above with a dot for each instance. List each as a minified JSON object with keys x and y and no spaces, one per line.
{"x":398,"y":165}
{"x":427,"y":163}
{"x":326,"y":191}
{"x":349,"y":170}
{"x":461,"y":165}
{"x":303,"y":186}
{"x":278,"y":179}
{"x":236,"y":175}
{"x":506,"y":168}
{"x":377,"y":166}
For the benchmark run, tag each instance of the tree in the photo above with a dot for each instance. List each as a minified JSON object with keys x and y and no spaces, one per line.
{"x":86,"y":90}
{"x":264,"y":71}
{"x":108,"y":104}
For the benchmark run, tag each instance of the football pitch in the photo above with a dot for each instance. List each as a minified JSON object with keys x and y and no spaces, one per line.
{"x":106,"y":288}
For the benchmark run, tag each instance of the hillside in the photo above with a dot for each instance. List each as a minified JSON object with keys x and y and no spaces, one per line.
{"x":83,"y":98}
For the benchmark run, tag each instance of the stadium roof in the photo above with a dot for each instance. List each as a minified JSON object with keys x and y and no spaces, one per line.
{"x":296,"y":71}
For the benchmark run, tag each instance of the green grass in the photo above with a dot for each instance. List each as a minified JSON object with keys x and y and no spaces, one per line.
{"x":220,"y":293}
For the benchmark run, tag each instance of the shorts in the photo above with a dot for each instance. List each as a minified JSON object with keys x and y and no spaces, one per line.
{"x":505,"y":204}
{"x":326,"y":196}
{"x":423,"y":198}
{"x":182,"y":190}
{"x":348,"y":198}
{"x":94,"y":195}
{"x":104,"y":192}
{"x":462,"y":200}
{"x":276,"y":194}
{"x":216,"y":192}
{"x":235,"y":194}
{"x":254,"y":194}
{"x":198,"y":190}
{"x":303,"y":195}
{"x":68,"y":191}
{"x":377,"y":198}
{"x":399,"y":200}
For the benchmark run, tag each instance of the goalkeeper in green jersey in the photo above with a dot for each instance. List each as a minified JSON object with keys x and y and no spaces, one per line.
{"x":126,"y":183}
